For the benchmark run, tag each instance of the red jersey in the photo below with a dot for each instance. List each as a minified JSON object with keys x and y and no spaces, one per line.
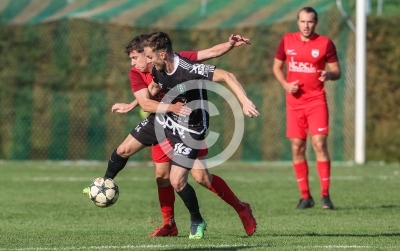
{"x":303,"y":61}
{"x":140,"y":80}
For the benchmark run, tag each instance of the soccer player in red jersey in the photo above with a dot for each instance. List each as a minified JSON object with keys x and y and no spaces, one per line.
{"x":306,"y":54}
{"x":140,"y":76}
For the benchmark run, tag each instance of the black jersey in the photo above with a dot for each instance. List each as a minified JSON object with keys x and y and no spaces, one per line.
{"x":186,"y":84}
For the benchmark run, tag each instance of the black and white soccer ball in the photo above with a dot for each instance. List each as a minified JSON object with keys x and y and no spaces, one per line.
{"x":103,"y":192}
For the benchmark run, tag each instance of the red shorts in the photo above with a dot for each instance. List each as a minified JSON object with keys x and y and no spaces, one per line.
{"x":315,"y":119}
{"x":159,"y":156}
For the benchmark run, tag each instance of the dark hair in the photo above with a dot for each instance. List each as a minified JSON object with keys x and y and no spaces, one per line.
{"x":159,"y":41}
{"x":308,"y":10}
{"x":137,"y":44}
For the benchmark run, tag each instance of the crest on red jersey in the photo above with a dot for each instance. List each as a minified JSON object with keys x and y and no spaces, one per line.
{"x":315,"y":53}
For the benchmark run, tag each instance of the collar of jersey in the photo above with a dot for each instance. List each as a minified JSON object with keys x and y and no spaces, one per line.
{"x":176,"y":63}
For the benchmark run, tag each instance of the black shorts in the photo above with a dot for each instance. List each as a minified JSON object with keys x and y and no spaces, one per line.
{"x":145,"y":131}
{"x":186,"y":142}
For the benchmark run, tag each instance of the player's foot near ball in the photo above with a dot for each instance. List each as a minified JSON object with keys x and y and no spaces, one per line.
{"x":86,"y":191}
{"x":248,"y":220}
{"x":197,"y":229}
{"x":326,"y":203}
{"x":165,"y":230}
{"x":305,"y":203}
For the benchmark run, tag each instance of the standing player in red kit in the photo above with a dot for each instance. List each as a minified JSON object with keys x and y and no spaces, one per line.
{"x":306,"y":54}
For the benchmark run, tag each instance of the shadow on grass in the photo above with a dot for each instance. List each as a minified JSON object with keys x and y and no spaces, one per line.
{"x":367,"y":207}
{"x":339,"y":235}
{"x":215,"y":248}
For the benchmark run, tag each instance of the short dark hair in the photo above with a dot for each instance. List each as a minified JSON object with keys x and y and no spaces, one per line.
{"x":137,"y":44}
{"x":159,"y":41}
{"x":308,"y":10}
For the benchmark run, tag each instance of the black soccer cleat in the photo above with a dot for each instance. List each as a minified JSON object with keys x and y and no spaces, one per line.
{"x":305,"y":203}
{"x":326,"y":203}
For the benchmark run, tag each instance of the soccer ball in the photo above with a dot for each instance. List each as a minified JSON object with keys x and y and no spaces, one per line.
{"x":103,"y":192}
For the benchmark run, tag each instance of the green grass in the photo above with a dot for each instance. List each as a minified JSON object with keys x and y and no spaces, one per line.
{"x":42,"y":208}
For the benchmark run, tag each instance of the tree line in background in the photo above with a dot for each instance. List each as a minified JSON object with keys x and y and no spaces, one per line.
{"x":22,"y":59}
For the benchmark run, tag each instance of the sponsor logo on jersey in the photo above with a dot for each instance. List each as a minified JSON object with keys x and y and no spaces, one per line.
{"x":201,"y":69}
{"x":181,"y":88}
{"x":304,"y":67}
{"x":291,"y":52}
{"x":315,"y":53}
{"x":168,"y":122}
{"x":180,"y":148}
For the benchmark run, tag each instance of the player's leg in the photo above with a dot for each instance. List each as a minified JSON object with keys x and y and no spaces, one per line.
{"x":219,"y":187}
{"x":297,"y":134}
{"x":120,"y":156}
{"x":140,"y":137}
{"x":143,"y":135}
{"x":178,"y":177}
{"x":166,"y":193}
{"x":319,"y":129}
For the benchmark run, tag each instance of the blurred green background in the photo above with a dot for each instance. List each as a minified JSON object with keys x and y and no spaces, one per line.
{"x":63,"y":66}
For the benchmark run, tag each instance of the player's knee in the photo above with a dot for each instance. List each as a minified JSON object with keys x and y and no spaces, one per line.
{"x":178,"y":185}
{"x":162,"y":182}
{"x":319,"y":146}
{"x":123,"y":150}
{"x":162,"y":177}
{"x":298,"y":149}
{"x":203,"y":179}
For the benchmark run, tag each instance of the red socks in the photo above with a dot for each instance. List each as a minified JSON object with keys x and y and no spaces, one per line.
{"x":166,"y":197}
{"x":301,"y":171}
{"x":324,"y":171}
{"x":220,"y":188}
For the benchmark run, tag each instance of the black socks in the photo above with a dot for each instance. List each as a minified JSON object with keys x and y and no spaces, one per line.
{"x":115,"y":164}
{"x":188,"y":195}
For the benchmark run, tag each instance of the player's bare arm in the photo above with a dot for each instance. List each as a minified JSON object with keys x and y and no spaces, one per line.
{"x":220,"y":49}
{"x":123,"y":107}
{"x":249,"y":109}
{"x":334,"y":72}
{"x":277,"y":67}
{"x":143,"y":97}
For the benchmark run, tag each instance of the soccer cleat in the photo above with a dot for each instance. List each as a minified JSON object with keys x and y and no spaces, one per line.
{"x":248,"y":221}
{"x":326,"y":203}
{"x":86,"y":191}
{"x":166,"y":230}
{"x":305,"y":203}
{"x":197,"y":229}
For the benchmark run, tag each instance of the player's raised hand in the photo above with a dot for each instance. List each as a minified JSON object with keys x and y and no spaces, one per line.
{"x":292,"y":87}
{"x":121,"y":108}
{"x":238,"y":40}
{"x":180,"y":109}
{"x":249,"y":109}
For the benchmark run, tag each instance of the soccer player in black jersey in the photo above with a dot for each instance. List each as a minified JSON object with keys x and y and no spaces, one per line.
{"x":183,"y":81}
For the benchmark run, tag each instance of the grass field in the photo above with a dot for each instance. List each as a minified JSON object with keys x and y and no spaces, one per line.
{"x":42,"y":208}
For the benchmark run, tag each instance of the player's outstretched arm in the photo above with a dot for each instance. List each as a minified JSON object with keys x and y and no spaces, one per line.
{"x":123,"y":107}
{"x":220,"y":49}
{"x":249,"y":109}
